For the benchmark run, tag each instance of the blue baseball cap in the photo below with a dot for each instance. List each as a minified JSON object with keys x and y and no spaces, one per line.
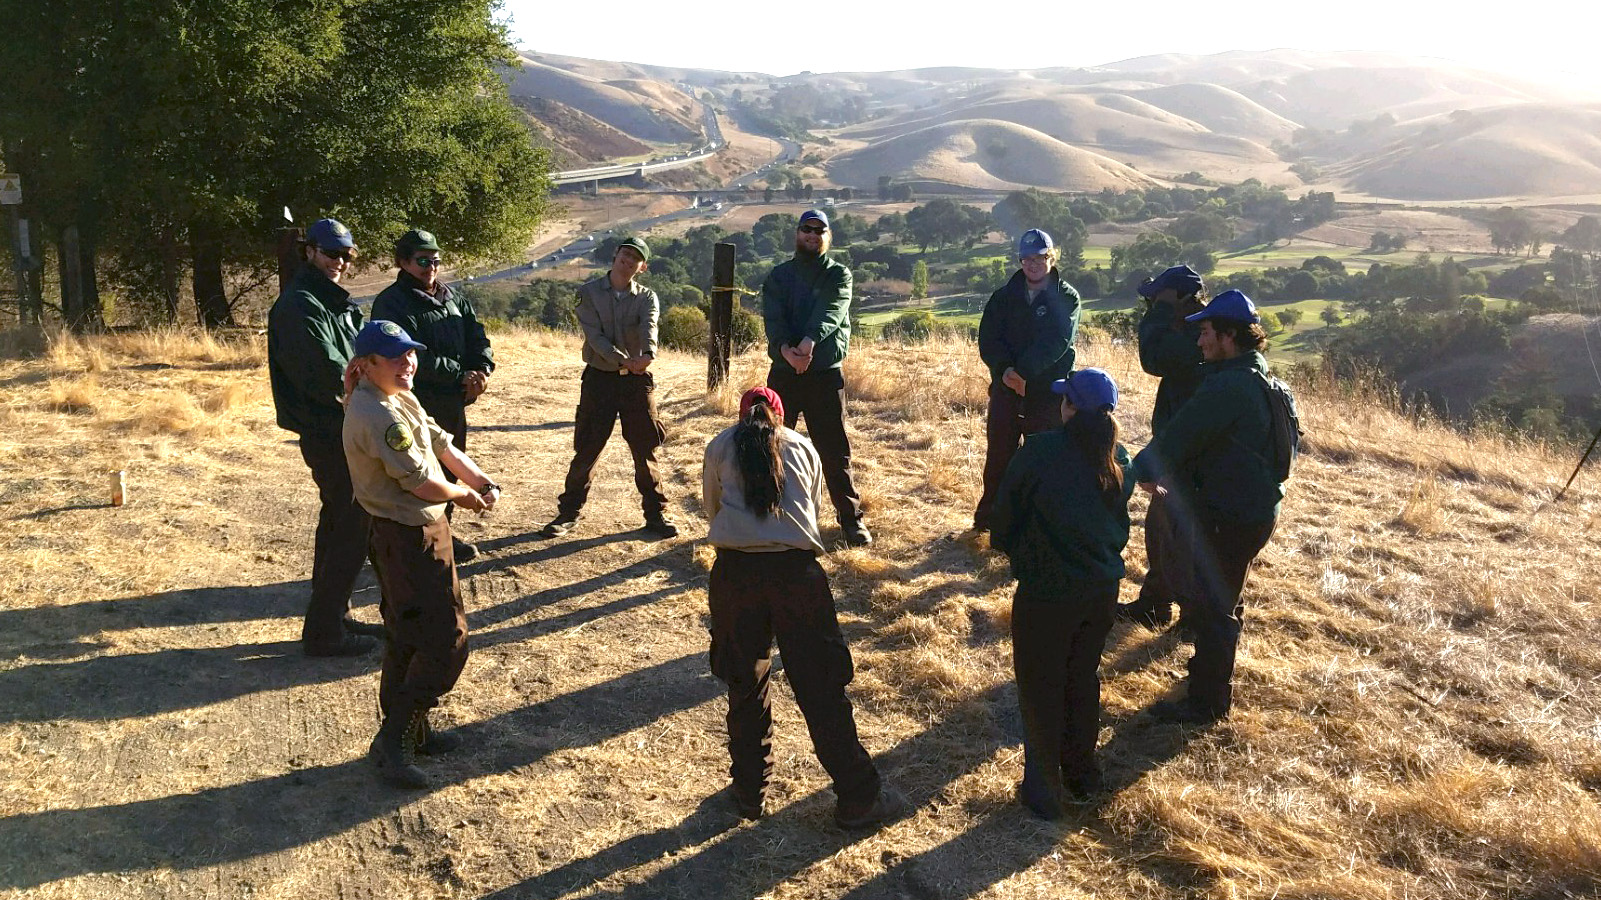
{"x":1231,"y":305}
{"x":384,"y":338}
{"x":330,"y":234}
{"x":1088,"y":389}
{"x":1033,"y":243}
{"x":814,"y":215}
{"x":1183,"y":279}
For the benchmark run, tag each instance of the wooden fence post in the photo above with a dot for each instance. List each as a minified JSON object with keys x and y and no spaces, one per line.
{"x":720,"y":337}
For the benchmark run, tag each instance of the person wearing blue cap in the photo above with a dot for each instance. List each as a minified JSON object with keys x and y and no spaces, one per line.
{"x":1025,"y":337}
{"x":806,"y":311}
{"x":1168,"y":350}
{"x":454,"y":370}
{"x":1061,"y":514}
{"x":309,"y":335}
{"x":1214,"y":460}
{"x":397,"y":456}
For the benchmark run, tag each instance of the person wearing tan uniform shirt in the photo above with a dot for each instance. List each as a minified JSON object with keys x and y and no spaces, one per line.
{"x":761,"y":488}
{"x":397,"y":457}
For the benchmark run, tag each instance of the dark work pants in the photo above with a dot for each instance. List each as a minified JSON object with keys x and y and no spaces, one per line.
{"x":341,"y":542}
{"x":1009,"y":420}
{"x":756,"y":597}
{"x":427,"y":644}
{"x":1221,"y":556}
{"x":819,"y":395}
{"x":603,"y":398}
{"x":1058,"y":633}
{"x":451,"y":414}
{"x":1167,"y":553}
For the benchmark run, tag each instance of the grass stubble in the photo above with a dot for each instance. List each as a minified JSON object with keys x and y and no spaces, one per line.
{"x":1417,"y":713}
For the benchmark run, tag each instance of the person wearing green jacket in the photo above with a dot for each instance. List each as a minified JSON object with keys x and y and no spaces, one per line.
{"x":454,"y":366}
{"x":806,"y":311}
{"x":1168,"y":351}
{"x":1213,"y":461}
{"x":1025,"y":338}
{"x":1061,"y":514}
{"x":309,"y":334}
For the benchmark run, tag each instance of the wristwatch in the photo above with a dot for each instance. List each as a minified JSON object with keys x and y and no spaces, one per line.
{"x":488,"y":486}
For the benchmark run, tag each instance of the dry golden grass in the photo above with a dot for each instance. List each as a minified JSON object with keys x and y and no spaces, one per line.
{"x":1419,"y":685}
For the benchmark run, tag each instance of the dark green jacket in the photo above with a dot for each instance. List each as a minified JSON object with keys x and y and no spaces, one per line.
{"x":1049,"y":518}
{"x":309,"y":333}
{"x":1216,"y":449}
{"x":807,"y":297}
{"x":1035,"y":338}
{"x":448,"y":324}
{"x":1168,"y":351}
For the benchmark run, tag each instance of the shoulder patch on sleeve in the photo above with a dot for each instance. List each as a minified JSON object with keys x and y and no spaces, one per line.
{"x":397,"y":437}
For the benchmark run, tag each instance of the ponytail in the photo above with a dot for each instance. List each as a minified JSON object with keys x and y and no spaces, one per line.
{"x":1094,"y":433}
{"x":761,"y":469}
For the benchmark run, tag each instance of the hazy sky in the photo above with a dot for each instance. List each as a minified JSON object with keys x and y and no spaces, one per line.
{"x":1533,"y":39}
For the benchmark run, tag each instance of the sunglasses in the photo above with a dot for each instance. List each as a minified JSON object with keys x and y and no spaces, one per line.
{"x":345,"y":255}
{"x":813,"y":229}
{"x":427,"y":262}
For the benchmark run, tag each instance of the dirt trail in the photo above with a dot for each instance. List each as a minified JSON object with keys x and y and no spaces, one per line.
{"x":178,"y":745}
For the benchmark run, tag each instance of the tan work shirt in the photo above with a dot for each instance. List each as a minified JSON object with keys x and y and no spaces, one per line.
{"x":392,"y":447}
{"x":618,"y":325}
{"x":792,"y":526}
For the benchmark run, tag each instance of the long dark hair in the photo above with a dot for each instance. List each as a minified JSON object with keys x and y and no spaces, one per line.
{"x":761,"y":469}
{"x":1094,"y":433}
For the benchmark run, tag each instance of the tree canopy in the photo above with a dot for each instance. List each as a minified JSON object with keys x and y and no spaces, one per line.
{"x":172,"y":133}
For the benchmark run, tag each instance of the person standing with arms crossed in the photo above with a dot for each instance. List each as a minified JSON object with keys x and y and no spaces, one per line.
{"x":1169,"y":351}
{"x":309,"y":334}
{"x":762,"y":488}
{"x":1025,"y":337}
{"x":455,"y":368}
{"x":1061,"y":514}
{"x":618,"y":316}
{"x":806,"y":311}
{"x":395,"y":451}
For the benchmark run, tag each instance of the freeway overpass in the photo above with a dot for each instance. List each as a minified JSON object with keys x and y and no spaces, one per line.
{"x":714,"y":142}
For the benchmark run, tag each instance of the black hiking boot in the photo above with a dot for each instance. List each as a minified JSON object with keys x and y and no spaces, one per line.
{"x":392,"y":750}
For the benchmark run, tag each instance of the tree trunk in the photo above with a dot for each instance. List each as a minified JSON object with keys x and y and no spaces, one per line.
{"x":80,"y":294}
{"x":211,"y":295}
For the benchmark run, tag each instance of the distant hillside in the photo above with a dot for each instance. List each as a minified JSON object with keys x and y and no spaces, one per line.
{"x":575,"y":138}
{"x":642,"y":109}
{"x":984,"y":153}
{"x":1383,"y":125}
{"x":1507,"y":152}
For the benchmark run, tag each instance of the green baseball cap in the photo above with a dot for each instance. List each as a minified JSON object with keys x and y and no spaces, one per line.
{"x":638,"y":246}
{"x":414,"y":240}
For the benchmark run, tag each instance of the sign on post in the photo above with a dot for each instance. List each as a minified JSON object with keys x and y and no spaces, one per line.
{"x":10,"y":189}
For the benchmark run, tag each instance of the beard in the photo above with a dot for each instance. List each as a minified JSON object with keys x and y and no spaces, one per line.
{"x":805,"y":253}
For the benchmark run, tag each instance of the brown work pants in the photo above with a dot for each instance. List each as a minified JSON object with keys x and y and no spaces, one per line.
{"x":603,"y":398}
{"x":1010,"y":419}
{"x":340,"y":545}
{"x":427,"y":643}
{"x":756,"y":597}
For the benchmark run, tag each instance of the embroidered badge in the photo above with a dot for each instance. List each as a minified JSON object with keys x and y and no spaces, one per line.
{"x":397,"y":437}
{"x":1039,"y":311}
{"x":390,"y":329}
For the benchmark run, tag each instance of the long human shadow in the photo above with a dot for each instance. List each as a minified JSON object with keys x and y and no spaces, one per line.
{"x":675,"y":560}
{"x":740,"y":864}
{"x":140,"y":684}
{"x":998,"y":847}
{"x":52,"y":630}
{"x":528,"y":426}
{"x":241,"y":821}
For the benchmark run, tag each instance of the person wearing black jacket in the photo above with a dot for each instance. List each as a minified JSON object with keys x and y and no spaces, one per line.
{"x":309,"y":334}
{"x":454,"y":369}
{"x":1061,"y":514}
{"x":1168,"y":350}
{"x":1025,"y":337}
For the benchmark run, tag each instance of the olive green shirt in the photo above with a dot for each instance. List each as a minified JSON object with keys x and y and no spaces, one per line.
{"x":392,"y":448}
